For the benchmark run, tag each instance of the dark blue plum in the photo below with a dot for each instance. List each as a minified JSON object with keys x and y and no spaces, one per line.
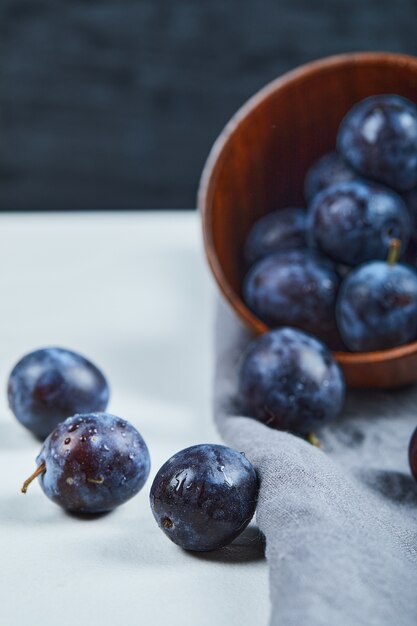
{"x":411,"y":254}
{"x":295,"y":288}
{"x":354,"y":222}
{"x":412,"y":454}
{"x":92,"y":463}
{"x":378,"y":139}
{"x":410,"y":199}
{"x":204,"y":496}
{"x":51,"y":384}
{"x":290,"y":381}
{"x":280,"y":230}
{"x":328,"y":170}
{"x":377,"y":307}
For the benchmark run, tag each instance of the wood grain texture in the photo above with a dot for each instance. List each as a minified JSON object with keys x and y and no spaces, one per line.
{"x":116,"y":103}
{"x":259,"y":162}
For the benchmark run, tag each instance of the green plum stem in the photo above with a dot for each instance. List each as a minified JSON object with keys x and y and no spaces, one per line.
{"x":311,"y":438}
{"x":394,"y":251}
{"x":39,"y":470}
{"x":96,"y":481}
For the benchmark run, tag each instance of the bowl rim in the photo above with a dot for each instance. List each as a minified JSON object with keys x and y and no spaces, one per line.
{"x":217,"y":155}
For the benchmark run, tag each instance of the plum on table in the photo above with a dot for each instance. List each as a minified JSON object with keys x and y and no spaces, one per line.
{"x":204,"y":496}
{"x":92,"y":463}
{"x":412,"y":454}
{"x":50,"y":384}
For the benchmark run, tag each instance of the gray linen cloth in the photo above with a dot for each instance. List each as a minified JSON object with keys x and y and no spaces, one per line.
{"x":340,"y":523}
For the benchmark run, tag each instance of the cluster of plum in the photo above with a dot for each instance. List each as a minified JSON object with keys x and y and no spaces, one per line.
{"x":332,"y":270}
{"x":328,"y":278}
{"x":91,"y":461}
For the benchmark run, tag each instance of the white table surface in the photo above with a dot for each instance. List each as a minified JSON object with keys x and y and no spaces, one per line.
{"x":133,"y":293}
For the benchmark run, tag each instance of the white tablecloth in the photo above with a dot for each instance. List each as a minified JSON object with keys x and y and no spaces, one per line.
{"x":133,"y":293}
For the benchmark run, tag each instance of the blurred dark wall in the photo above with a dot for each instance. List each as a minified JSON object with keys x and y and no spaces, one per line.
{"x":115,"y":104}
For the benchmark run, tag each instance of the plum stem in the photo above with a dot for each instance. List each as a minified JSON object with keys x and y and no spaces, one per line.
{"x":96,"y":481}
{"x":167,"y":522}
{"x":39,"y":470}
{"x":311,"y":438}
{"x":394,"y":251}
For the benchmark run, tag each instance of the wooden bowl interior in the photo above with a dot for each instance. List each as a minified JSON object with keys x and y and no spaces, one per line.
{"x":259,"y":163}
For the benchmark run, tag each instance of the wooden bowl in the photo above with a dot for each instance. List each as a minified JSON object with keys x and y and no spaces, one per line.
{"x":258,"y":165}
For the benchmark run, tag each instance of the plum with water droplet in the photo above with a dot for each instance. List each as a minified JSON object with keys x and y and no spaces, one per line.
{"x":204,"y":496}
{"x":50,"y":384}
{"x":92,"y":463}
{"x":290,"y":381}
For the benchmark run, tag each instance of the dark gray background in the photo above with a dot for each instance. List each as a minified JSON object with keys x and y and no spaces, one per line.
{"x":116,"y":103}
